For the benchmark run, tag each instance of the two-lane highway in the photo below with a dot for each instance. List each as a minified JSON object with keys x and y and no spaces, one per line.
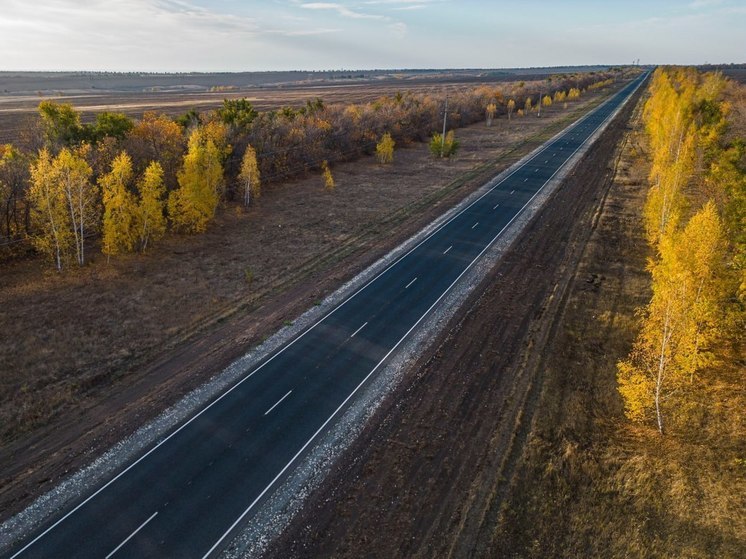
{"x":186,"y":496}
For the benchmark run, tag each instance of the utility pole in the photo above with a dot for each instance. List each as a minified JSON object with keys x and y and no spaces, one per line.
{"x":443,"y":137}
{"x":538,"y":115}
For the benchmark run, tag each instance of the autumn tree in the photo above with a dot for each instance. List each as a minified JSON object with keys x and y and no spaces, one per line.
{"x":326,"y":175}
{"x":151,"y":221}
{"x":156,"y":138}
{"x":528,"y":105}
{"x":50,"y":211}
{"x":385,"y":149}
{"x":73,"y":175}
{"x":250,"y":176}
{"x":681,"y":320}
{"x":511,"y":107}
{"x":120,"y":229}
{"x":573,"y":94}
{"x":490,"y":113}
{"x":444,"y":146}
{"x":192,"y":206}
{"x":546,"y":101}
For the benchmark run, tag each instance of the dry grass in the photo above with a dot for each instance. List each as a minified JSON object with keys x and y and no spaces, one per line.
{"x":75,"y":337}
{"x":591,"y":484}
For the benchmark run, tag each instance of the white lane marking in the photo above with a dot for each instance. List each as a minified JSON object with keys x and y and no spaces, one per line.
{"x":512,"y":191}
{"x":358,"y":330}
{"x":128,"y":538}
{"x":495,"y":206}
{"x":410,"y":283}
{"x":559,"y":137}
{"x":524,"y":180}
{"x":536,"y":170}
{"x":477,"y":223}
{"x":280,"y":400}
{"x":446,"y":250}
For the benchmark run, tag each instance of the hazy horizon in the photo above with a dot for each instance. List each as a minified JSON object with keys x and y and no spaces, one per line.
{"x":213,"y":36}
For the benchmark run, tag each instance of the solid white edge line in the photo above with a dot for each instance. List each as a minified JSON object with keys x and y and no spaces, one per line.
{"x":358,"y":330}
{"x":407,"y":286}
{"x":278,"y":402}
{"x":445,"y":292}
{"x":128,"y":538}
{"x":557,"y":138}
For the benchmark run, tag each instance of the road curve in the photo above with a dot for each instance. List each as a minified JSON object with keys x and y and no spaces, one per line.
{"x":188,"y":494}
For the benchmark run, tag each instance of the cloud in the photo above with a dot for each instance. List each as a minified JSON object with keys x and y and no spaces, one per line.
{"x":399,"y":29}
{"x":340,"y":9}
{"x":699,"y":4}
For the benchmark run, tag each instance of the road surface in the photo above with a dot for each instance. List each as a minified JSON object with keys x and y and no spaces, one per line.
{"x":189,"y":494}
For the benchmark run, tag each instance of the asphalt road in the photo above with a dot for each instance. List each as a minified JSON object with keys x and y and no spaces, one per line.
{"x":187,"y":495}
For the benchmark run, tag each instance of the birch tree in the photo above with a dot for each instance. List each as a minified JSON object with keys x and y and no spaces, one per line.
{"x":151,"y":221}
{"x":49,"y":211}
{"x":73,"y":174}
{"x":250,"y":176}
{"x":192,"y":206}
{"x":120,"y":229}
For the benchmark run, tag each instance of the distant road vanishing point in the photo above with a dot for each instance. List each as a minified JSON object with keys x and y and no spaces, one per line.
{"x":188,"y":495}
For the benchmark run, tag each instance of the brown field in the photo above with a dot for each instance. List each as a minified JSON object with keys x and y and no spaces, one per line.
{"x":176,"y":94}
{"x":89,"y":355}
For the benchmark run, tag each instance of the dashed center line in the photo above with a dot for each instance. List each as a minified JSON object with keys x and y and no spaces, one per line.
{"x":285,"y":396}
{"x":446,"y":250}
{"x":512,"y":192}
{"x":536,"y":170}
{"x":128,"y":538}
{"x":524,"y":180}
{"x":358,"y":330}
{"x":495,"y":206}
{"x":410,"y":283}
{"x":473,"y":226}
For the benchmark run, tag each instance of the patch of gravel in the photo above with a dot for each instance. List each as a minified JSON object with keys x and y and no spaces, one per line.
{"x":286,"y":499}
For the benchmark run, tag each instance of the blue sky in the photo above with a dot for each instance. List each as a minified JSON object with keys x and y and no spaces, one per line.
{"x":236,"y":35}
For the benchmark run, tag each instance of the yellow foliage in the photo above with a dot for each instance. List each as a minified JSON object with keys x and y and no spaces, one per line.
{"x":151,"y":221}
{"x":250,"y":176}
{"x":546,"y":101}
{"x":120,"y":211}
{"x":50,"y":211}
{"x":192,"y":206}
{"x":385,"y":149}
{"x":326,"y":174}
{"x":490,"y":111}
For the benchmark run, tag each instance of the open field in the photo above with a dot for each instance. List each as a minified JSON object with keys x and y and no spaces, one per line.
{"x":175,"y":94}
{"x":174,"y":317}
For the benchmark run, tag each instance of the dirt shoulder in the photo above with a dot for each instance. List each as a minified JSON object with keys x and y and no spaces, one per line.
{"x":87,"y":357}
{"x":431,"y":472}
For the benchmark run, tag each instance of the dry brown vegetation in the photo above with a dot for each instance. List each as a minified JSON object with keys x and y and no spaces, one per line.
{"x":74,"y":341}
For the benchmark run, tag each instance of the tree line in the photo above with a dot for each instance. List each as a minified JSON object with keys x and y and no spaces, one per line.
{"x":695,"y":223}
{"x":124,"y":183}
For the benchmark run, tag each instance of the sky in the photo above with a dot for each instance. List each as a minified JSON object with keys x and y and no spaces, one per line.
{"x":250,"y":35}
